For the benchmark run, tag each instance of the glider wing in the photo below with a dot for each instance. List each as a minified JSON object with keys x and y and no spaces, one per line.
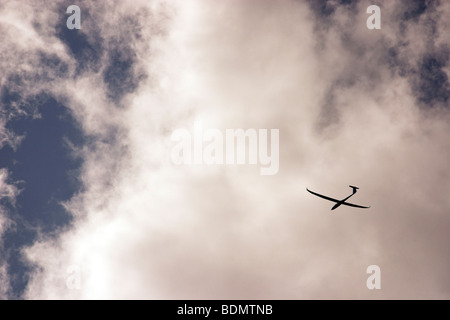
{"x":354,"y":205}
{"x":325,"y":197}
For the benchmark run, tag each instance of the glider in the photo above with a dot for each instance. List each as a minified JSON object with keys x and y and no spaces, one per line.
{"x":339,"y":202}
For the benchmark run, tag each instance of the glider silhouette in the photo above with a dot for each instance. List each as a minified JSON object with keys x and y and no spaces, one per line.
{"x":339,"y":202}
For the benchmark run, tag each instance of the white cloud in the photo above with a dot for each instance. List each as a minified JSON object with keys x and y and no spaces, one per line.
{"x":148,"y":229}
{"x":8,"y":192}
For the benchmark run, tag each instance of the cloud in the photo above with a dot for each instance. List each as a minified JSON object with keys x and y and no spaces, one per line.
{"x":8,"y":193}
{"x":354,"y":106}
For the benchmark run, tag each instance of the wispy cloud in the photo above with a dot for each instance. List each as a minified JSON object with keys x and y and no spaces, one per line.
{"x":353,"y":106}
{"x":8,"y":193}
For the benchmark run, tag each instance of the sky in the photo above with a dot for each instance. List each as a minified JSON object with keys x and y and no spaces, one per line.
{"x":92,"y":206}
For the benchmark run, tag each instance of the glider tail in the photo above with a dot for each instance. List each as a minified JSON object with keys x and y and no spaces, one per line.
{"x":354,"y":188}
